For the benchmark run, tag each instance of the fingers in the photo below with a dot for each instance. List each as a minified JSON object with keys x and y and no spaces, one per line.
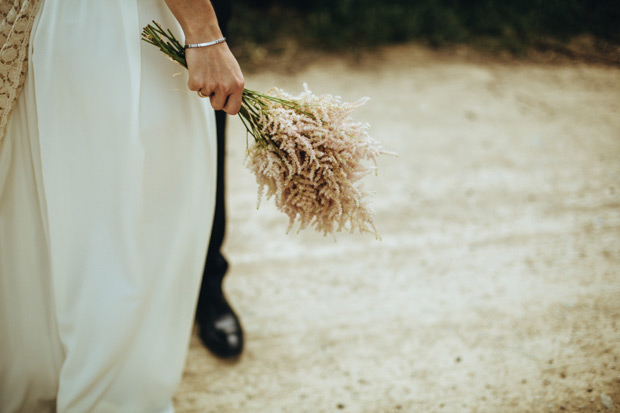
{"x":197,"y":81}
{"x":233,"y":104}
{"x":226,"y":99}
{"x":215,"y":73}
{"x":229,"y":103}
{"x":218,"y":100}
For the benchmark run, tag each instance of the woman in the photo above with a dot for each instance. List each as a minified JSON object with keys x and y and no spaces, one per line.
{"x":108,"y":167}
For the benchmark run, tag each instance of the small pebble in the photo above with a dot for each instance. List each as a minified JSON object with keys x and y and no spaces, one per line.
{"x":340,"y":406}
{"x":607,"y":402}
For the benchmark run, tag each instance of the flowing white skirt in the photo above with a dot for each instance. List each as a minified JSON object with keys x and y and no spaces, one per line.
{"x":107,"y":184}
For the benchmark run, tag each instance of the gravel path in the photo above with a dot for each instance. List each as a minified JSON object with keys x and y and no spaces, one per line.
{"x":496,"y":286}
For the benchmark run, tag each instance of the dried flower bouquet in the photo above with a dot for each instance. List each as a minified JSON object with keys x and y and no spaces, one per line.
{"x":307,"y":152}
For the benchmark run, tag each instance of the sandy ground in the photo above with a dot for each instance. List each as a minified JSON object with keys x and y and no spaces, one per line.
{"x":496,"y":286}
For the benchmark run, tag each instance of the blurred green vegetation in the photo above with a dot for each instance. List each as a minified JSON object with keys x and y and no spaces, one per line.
{"x":359,"y":24}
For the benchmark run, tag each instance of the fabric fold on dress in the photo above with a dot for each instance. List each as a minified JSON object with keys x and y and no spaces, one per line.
{"x":105,"y":215}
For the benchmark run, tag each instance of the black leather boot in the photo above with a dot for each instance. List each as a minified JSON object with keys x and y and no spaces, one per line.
{"x":219,"y":327}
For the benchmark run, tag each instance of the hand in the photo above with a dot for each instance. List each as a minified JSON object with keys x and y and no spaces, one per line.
{"x":214,"y":71}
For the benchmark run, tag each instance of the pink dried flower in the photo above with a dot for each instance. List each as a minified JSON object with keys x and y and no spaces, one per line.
{"x":309,"y":155}
{"x":307,"y":152}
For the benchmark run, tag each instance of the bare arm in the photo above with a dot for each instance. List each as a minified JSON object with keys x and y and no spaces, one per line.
{"x":213,"y":70}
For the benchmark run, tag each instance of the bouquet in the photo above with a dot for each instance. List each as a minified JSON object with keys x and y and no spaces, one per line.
{"x":307,"y":153}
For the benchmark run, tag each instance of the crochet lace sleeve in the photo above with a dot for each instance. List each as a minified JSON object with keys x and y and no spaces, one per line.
{"x":16,"y":19}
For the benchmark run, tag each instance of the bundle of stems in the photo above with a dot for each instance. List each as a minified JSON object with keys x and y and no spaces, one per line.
{"x":253,"y":102}
{"x":307,"y":152}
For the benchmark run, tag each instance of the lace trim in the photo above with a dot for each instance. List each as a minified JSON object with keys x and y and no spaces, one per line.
{"x":16,"y":19}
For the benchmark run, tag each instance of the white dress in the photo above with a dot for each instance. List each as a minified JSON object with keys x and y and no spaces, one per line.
{"x":107,"y":185}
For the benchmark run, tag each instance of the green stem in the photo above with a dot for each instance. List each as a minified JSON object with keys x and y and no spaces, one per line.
{"x":253,"y":103}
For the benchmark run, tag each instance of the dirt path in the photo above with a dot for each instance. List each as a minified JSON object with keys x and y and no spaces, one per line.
{"x":496,"y":287}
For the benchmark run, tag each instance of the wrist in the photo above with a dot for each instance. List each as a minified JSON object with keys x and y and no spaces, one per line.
{"x":202,"y":34}
{"x":201,"y":30}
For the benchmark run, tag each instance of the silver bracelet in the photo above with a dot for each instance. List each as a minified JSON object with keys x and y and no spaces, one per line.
{"x":223,"y":39}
